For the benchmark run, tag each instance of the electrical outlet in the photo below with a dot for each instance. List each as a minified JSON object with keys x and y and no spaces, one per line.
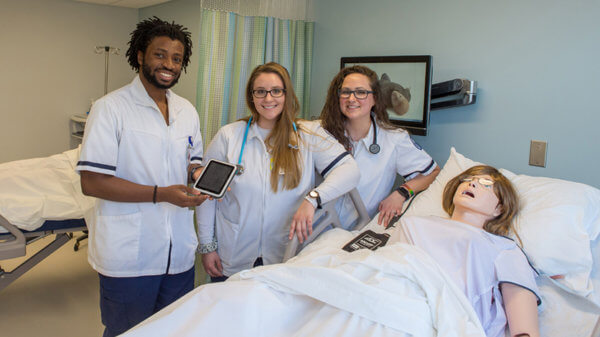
{"x":537,"y":153}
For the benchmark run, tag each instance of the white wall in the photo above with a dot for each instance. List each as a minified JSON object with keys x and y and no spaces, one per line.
{"x":50,"y":71}
{"x":537,"y":63}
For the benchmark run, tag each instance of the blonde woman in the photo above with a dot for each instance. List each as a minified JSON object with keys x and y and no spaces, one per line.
{"x":274,"y":197}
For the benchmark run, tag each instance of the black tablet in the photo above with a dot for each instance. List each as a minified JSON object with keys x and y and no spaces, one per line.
{"x":215,"y":178}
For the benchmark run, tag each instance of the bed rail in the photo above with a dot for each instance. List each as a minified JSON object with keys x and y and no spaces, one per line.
{"x":326,"y":217}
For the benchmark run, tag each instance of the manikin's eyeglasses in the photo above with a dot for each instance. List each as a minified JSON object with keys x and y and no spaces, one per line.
{"x":359,"y":93}
{"x":262,"y":93}
{"x":485,"y":182}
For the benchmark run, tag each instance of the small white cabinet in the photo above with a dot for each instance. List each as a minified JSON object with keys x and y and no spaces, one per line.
{"x":76,"y":127}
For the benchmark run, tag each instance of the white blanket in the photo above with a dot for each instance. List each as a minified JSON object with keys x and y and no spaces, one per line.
{"x":35,"y":190}
{"x":397,"y":290}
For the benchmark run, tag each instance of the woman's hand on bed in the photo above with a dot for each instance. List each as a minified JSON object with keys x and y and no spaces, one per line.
{"x":390,"y":207}
{"x":180,"y":195}
{"x":302,"y":221}
{"x":212,"y":264}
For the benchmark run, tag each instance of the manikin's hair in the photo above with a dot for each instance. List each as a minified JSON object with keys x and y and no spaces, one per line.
{"x":507,"y":198}
{"x":285,"y":158}
{"x":149,"y":29}
{"x":333,"y":119}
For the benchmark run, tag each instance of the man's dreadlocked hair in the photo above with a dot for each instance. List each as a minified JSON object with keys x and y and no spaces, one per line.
{"x":149,"y":29}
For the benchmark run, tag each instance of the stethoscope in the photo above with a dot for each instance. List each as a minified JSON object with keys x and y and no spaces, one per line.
{"x":374,"y":147}
{"x":240,"y":167}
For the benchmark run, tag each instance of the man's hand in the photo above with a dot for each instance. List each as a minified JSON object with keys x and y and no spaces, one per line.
{"x":180,"y":195}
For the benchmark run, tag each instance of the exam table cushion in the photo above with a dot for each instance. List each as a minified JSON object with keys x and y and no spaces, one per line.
{"x":39,"y":189}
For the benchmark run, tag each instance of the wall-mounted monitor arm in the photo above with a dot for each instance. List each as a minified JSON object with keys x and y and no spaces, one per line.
{"x":453,"y":93}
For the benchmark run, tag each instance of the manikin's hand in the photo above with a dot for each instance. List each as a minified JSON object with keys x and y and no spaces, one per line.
{"x":302,"y":221}
{"x":212,"y":264}
{"x":390,"y":207}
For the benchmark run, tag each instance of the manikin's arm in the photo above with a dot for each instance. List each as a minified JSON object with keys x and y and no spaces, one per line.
{"x":520,"y":306}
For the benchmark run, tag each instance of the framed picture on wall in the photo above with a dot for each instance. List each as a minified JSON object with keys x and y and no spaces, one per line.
{"x":406,"y":87}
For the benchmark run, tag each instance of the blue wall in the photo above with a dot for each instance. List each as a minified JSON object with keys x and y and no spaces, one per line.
{"x":536,"y":63}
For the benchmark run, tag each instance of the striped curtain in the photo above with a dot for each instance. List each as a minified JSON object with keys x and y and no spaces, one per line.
{"x":231,"y":45}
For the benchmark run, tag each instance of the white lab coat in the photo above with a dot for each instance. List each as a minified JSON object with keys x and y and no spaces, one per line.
{"x":126,"y":136}
{"x":252,"y":221}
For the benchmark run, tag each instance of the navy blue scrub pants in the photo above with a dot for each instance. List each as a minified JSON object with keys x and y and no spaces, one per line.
{"x":126,"y":301}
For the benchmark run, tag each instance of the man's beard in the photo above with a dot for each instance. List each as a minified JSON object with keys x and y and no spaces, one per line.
{"x":152,"y":79}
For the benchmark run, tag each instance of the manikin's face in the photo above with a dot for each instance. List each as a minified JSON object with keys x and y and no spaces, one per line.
{"x":162,"y":61}
{"x":269,"y":108}
{"x":478,"y":197}
{"x":353,"y":108}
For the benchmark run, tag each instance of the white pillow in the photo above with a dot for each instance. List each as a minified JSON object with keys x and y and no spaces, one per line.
{"x":557,"y":223}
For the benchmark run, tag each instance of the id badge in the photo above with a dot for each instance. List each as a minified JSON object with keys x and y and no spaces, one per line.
{"x":367,"y":240}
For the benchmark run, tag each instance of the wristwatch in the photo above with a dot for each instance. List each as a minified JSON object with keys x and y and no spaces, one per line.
{"x":315,"y":195}
{"x":403,"y":192}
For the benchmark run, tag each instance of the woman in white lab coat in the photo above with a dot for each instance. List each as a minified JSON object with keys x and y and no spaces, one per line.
{"x":275,"y":196}
{"x":354,"y":113}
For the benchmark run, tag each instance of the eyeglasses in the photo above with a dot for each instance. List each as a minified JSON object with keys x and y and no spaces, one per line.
{"x":485,"y":182}
{"x":359,"y":93}
{"x":262,"y":93}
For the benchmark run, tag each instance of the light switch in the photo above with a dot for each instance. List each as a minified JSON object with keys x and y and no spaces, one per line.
{"x":537,"y":153}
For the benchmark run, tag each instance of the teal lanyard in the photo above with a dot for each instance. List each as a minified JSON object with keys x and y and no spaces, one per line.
{"x":239,"y":163}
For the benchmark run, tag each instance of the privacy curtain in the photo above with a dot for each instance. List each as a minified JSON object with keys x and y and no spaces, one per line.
{"x":231,"y":45}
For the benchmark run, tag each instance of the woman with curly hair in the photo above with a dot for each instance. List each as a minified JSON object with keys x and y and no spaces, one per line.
{"x":354,"y":113}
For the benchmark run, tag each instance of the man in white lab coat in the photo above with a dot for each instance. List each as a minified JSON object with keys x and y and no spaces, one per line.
{"x":140,"y":145}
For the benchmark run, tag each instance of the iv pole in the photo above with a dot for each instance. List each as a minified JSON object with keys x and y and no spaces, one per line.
{"x":107,"y":50}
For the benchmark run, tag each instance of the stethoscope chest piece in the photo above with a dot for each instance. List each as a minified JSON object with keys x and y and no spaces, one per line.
{"x":374,"y":148}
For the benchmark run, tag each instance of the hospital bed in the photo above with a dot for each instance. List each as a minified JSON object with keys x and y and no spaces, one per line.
{"x":13,"y":244}
{"x":39,"y":198}
{"x":320,"y":292}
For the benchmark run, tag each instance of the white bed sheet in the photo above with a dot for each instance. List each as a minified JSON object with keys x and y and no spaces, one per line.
{"x":562,"y":313}
{"x":397,"y":290}
{"x":40,"y":189}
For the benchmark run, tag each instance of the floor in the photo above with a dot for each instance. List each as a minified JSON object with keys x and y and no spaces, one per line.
{"x":57,"y":298}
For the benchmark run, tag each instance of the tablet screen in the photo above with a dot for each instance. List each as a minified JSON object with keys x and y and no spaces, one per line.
{"x":214,"y":177}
